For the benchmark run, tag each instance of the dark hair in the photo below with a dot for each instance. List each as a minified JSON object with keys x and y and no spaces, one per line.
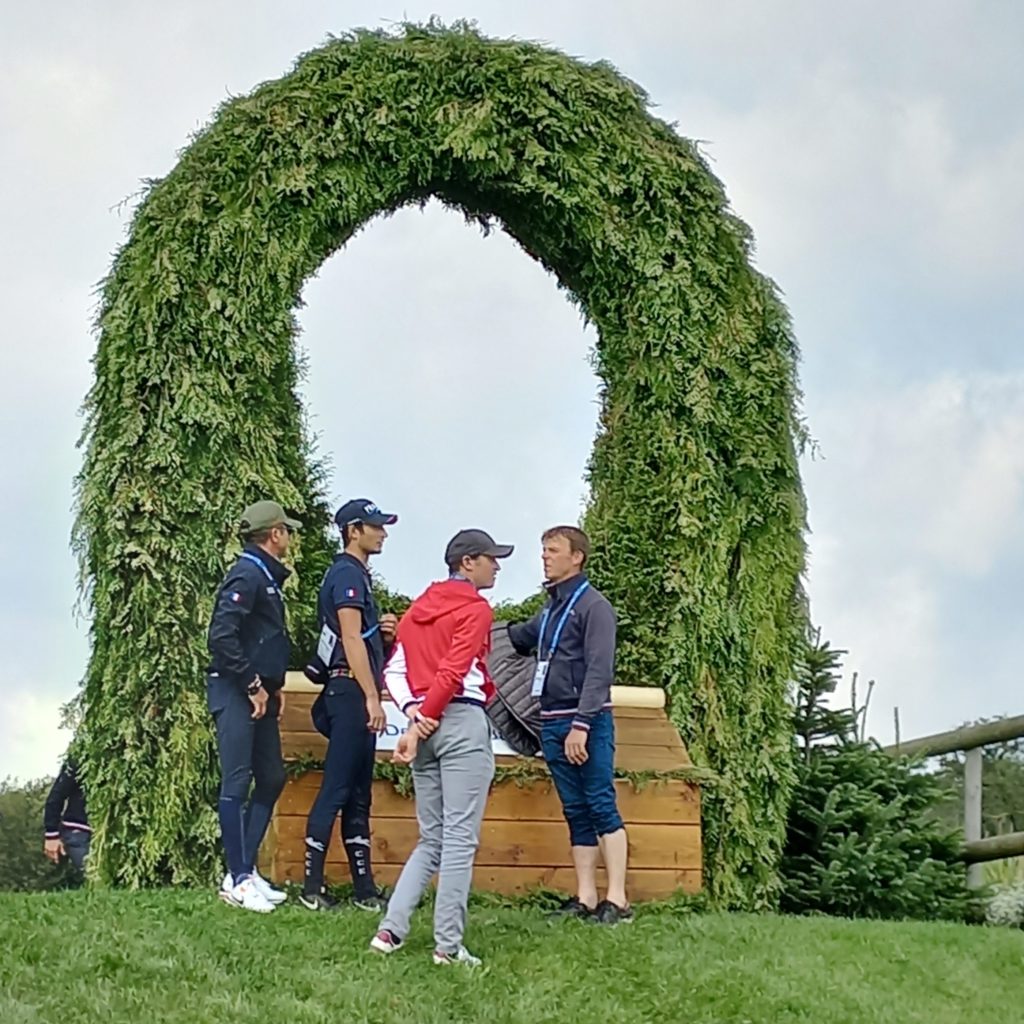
{"x":578,"y":540}
{"x":258,"y":536}
{"x":346,"y":531}
{"x":455,"y":565}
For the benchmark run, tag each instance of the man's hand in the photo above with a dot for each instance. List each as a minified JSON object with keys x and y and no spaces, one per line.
{"x":388,"y":627}
{"x":405,"y":751}
{"x":425,"y":727}
{"x":258,"y":700}
{"x":376,"y":719}
{"x":576,"y":746}
{"x":280,"y":705}
{"x":54,"y":850}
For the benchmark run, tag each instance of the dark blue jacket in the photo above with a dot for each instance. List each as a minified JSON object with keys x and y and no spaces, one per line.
{"x":65,"y":804}
{"x":582,"y":670}
{"x":248,"y":635}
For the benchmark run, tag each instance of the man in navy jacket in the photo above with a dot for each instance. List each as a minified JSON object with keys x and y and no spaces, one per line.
{"x":573,"y":638}
{"x":249,"y":653}
{"x":65,"y":820}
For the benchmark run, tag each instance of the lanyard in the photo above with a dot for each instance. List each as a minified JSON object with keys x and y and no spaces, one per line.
{"x":560,"y":625}
{"x":249,"y":556}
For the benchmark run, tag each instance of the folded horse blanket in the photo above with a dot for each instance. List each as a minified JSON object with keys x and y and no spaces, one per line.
{"x":513,"y":712}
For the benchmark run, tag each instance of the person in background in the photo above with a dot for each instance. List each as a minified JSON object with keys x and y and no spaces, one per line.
{"x":66,"y":831}
{"x":573,"y":638}
{"x":354,"y":639}
{"x":249,"y":652}
{"x":438,"y":676}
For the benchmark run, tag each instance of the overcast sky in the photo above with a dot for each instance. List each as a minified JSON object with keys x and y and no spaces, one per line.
{"x":875,"y":148}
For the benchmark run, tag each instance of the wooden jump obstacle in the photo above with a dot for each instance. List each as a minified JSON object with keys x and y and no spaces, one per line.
{"x":525,"y":842}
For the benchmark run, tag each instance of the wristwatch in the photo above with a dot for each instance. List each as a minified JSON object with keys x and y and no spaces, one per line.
{"x":254,"y":687}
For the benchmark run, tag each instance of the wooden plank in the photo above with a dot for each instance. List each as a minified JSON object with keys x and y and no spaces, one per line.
{"x":303,"y":744}
{"x":627,"y":712}
{"x":514,"y":843}
{"x":654,"y":759}
{"x":647,"y":731}
{"x":296,"y":713}
{"x":637,"y":721}
{"x":668,"y":803}
{"x":641,"y":884}
{"x":628,"y":757}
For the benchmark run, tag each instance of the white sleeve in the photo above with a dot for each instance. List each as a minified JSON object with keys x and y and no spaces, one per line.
{"x":396,"y":681}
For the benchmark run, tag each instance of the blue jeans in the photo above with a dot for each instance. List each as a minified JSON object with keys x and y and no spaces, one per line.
{"x":587,"y":791}
{"x":76,"y":846}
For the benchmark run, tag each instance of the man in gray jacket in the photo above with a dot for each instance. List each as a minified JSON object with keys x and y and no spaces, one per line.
{"x":573,"y":638}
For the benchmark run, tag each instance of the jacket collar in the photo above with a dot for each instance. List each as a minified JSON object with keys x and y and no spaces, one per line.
{"x":562,"y":590}
{"x":277,"y":569}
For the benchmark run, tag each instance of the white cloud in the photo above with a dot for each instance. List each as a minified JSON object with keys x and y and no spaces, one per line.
{"x":920,"y":495}
{"x":30,"y":740}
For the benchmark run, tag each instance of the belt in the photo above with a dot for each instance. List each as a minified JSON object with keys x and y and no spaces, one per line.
{"x":467,"y":700}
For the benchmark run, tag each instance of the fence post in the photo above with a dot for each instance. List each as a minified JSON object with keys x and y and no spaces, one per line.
{"x":972,"y":810}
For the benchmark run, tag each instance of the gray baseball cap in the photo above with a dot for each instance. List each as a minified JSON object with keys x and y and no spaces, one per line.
{"x":470,"y":543}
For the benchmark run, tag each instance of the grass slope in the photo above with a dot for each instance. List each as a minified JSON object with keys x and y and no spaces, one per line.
{"x":183,"y":957}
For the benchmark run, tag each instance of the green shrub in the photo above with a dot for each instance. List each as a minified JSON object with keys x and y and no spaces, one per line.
{"x":861,"y":838}
{"x":23,"y":867}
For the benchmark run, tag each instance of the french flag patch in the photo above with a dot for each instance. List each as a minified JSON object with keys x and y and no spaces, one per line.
{"x":236,"y":596}
{"x":350,"y":592}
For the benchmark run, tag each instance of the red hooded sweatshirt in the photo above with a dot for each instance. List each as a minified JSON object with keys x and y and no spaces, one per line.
{"x":441,"y":649}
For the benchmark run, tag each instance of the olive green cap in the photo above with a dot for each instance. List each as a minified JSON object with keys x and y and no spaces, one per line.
{"x":262,"y":515}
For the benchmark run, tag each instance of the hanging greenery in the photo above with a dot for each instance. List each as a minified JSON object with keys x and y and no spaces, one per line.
{"x":523,"y":772}
{"x":696,"y":509}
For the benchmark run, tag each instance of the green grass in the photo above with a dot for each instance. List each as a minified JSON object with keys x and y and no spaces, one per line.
{"x":183,"y":957}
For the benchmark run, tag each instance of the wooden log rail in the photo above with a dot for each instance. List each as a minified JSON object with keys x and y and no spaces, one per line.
{"x":972,"y":739}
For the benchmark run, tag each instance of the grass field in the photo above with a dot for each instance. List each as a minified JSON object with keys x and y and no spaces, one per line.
{"x":182,"y":957}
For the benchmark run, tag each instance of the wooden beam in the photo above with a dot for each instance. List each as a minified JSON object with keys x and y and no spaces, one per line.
{"x":967,"y":737}
{"x":994,"y":848}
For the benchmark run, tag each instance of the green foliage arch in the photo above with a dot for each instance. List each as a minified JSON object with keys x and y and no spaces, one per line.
{"x":696,"y":511}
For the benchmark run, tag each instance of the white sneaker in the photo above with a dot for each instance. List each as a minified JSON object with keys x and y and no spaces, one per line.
{"x":267,"y":891}
{"x":225,"y":888}
{"x":460,"y":956}
{"x":248,"y":897}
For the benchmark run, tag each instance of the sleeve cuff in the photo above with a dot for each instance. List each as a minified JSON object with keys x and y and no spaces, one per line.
{"x":581,"y":723}
{"x":51,"y":835}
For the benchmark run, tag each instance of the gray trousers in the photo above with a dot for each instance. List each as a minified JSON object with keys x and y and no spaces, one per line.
{"x":452,"y":775}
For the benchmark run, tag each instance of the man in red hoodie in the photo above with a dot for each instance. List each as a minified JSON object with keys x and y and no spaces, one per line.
{"x":438,"y":675}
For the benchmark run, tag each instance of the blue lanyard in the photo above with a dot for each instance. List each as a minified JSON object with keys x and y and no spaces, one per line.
{"x":249,"y":556}
{"x":559,"y":626}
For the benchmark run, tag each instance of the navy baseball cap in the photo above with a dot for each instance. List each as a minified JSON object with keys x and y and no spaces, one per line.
{"x":362,"y":510}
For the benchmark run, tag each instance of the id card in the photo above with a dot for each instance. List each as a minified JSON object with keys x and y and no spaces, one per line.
{"x":325,"y":647}
{"x":540,"y":673}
